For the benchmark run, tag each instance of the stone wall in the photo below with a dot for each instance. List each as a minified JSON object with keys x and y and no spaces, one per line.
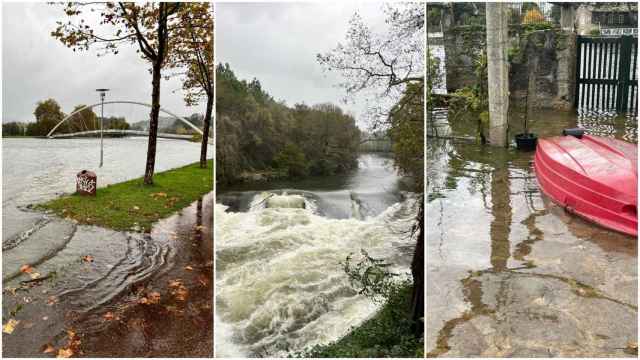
{"x":542,"y":62}
{"x":542,"y":72}
{"x":462,"y":44}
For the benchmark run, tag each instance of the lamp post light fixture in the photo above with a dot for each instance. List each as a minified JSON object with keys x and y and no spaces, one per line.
{"x":102,"y":93}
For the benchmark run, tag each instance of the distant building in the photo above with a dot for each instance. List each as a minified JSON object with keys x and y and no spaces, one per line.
{"x":619,"y":18}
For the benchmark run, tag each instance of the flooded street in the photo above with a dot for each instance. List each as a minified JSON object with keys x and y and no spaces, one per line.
{"x":85,"y":271}
{"x":511,"y":274}
{"x":280,"y":249}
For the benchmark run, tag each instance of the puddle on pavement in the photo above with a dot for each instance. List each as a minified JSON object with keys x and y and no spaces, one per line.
{"x":94,"y":282}
{"x":509,"y":273}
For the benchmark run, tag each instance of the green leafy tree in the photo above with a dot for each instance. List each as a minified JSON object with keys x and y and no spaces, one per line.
{"x":48,"y":114}
{"x":252,"y":129}
{"x":292,"y":160}
{"x":14,"y":129}
{"x":192,"y":51}
{"x":82,"y":121}
{"x":147,"y":26}
{"x":407,"y":134}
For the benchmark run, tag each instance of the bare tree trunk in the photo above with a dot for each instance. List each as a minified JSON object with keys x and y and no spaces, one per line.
{"x":205,"y":132}
{"x":153,"y":124}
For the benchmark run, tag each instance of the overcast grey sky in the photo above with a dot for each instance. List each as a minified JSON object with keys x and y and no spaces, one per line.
{"x":278,"y":42}
{"x":35,"y":66}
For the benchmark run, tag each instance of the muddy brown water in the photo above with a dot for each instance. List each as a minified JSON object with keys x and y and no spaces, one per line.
{"x":511,"y":274}
{"x":174,"y":276}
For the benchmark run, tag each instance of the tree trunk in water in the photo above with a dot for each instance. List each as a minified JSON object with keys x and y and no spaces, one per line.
{"x":153,"y":123}
{"x":417,"y":271}
{"x":205,"y":132}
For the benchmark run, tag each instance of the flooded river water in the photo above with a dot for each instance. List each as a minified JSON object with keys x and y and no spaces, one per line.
{"x":85,"y":268}
{"x":511,"y":274}
{"x":280,"y":284}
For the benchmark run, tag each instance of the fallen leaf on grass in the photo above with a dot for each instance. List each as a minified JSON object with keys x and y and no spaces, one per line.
{"x":135,"y":208}
{"x":10,"y":326}
{"x":159,"y":194}
{"x":48,"y":348}
{"x":87,"y":258}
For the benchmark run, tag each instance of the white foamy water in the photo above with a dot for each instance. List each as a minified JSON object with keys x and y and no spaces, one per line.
{"x":280,"y":284}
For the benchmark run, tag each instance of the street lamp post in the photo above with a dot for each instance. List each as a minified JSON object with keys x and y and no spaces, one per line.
{"x":102,"y":93}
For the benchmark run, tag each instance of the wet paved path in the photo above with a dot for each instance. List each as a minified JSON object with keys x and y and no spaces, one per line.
{"x":511,"y":274}
{"x":151,"y":294}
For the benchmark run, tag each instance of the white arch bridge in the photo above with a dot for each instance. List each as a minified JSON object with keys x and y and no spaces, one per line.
{"x":120,"y":132}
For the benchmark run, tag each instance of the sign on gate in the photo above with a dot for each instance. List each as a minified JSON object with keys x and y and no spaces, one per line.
{"x":618,"y":31}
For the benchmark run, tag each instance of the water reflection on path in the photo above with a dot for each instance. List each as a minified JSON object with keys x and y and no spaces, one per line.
{"x":508,"y":272}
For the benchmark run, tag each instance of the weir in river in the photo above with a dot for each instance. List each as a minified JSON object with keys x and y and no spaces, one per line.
{"x":280,"y":282}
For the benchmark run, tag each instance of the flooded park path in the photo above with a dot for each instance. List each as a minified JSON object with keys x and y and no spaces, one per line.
{"x":154,"y":293}
{"x":87,"y":288}
{"x":511,"y":274}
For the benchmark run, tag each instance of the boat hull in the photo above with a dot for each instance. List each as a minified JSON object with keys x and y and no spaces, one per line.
{"x":593,"y":177}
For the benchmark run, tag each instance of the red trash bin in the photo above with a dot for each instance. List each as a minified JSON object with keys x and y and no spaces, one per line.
{"x":86,"y":183}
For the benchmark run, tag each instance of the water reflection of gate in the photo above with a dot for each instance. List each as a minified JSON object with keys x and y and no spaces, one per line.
{"x":606,"y":75}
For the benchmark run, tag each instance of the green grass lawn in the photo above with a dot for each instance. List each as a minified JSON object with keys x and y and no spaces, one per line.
{"x":128,"y":204}
{"x":386,"y":334}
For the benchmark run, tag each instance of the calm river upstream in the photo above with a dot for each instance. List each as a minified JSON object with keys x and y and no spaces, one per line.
{"x":279,"y":248}
{"x":508,"y":272}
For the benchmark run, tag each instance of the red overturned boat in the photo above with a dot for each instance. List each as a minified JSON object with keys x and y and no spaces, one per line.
{"x":591,"y":176}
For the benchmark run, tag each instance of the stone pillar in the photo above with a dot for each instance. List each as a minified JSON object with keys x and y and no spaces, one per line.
{"x":583,"y":19}
{"x":498,"y":72}
{"x":567,"y":17}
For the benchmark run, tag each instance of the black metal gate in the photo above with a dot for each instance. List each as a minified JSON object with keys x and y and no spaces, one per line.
{"x":606,"y":74}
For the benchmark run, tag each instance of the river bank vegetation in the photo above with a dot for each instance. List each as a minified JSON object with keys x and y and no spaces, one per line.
{"x":258,"y":135}
{"x":133,"y":205}
{"x":387,"y":334}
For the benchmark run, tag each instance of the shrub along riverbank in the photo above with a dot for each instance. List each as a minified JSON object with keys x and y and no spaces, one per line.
{"x":388,"y":333}
{"x":133,"y":205}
